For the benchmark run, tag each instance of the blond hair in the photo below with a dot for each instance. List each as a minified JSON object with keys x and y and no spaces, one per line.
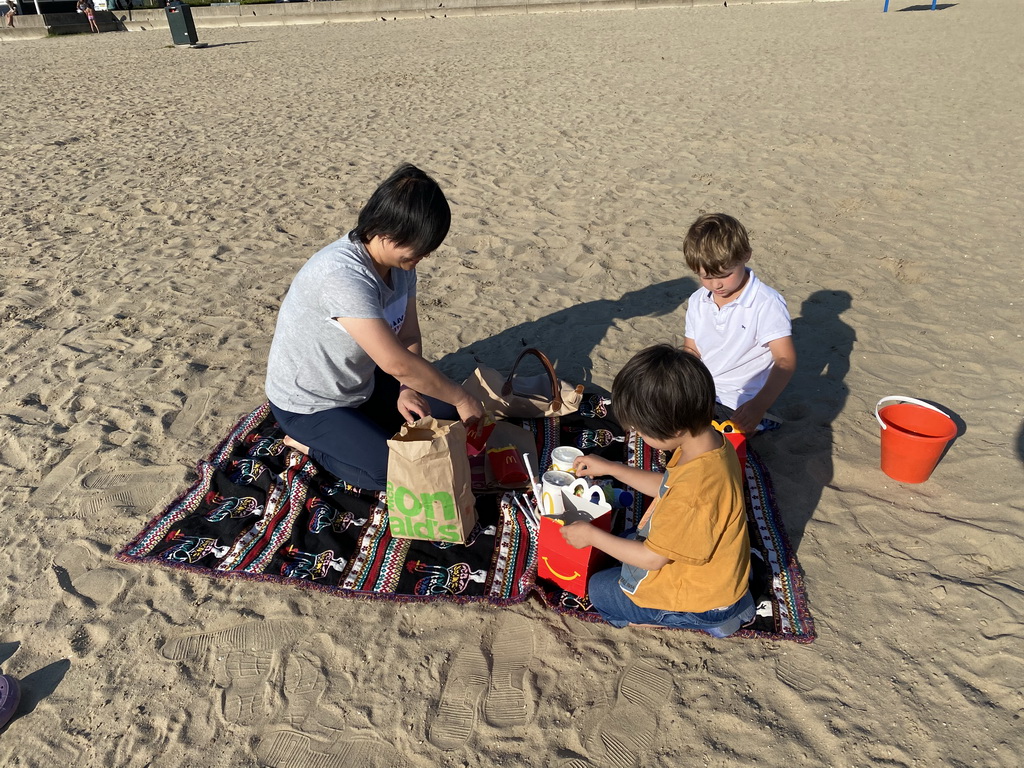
{"x":715,"y":243}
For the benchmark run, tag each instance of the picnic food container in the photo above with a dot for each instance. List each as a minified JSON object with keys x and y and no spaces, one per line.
{"x":563,"y":457}
{"x":561,"y":563}
{"x":507,"y":465}
{"x":553,"y":487}
{"x":733,"y":434}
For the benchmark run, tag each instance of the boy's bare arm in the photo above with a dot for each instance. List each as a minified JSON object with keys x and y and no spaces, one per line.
{"x":629,"y":551}
{"x":749,"y":415}
{"x":689,"y":345}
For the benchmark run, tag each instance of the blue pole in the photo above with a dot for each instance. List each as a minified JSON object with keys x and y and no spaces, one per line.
{"x":886,"y":8}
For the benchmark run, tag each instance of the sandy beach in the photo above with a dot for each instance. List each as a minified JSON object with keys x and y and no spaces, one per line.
{"x":155,"y":203}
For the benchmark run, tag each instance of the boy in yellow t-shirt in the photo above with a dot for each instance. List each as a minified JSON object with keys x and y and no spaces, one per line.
{"x":688,"y":563}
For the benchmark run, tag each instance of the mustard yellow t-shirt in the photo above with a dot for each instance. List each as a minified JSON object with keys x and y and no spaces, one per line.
{"x":700,"y":524}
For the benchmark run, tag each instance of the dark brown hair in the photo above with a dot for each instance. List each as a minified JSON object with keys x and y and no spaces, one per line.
{"x":662,"y":392}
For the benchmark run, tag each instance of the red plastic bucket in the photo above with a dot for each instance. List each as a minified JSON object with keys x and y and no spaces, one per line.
{"x":914,"y":435}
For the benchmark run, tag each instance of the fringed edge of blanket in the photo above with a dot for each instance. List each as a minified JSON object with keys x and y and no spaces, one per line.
{"x":390,"y":597}
{"x":795,"y":614}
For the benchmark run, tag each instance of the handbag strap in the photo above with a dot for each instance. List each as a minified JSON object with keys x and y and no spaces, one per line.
{"x":556,"y":395}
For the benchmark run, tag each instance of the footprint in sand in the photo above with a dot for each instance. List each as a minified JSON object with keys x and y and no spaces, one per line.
{"x":61,"y":753}
{"x":305,"y":682}
{"x":626,"y":731}
{"x":791,"y":669}
{"x":456,"y":716}
{"x":134,"y":488}
{"x":260,"y":669}
{"x":286,"y":685}
{"x":253,"y":636}
{"x":286,"y":748}
{"x":81,"y":574}
{"x":184,"y":425}
{"x":156,"y":477}
{"x":58,"y":480}
{"x":124,"y":499}
{"x":511,"y":653}
{"x":500,"y":673}
{"x":246,"y":673}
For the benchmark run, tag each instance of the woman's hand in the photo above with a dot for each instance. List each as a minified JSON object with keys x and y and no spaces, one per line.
{"x":593,"y":466}
{"x":412,"y":405}
{"x":578,"y":534}
{"x":470,"y":409}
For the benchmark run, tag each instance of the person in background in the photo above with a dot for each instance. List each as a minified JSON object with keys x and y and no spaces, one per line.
{"x":86,"y":7}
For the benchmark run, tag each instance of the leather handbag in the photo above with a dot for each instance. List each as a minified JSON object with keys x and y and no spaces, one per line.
{"x":524,"y":397}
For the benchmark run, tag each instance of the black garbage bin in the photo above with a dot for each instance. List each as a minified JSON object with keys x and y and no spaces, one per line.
{"x":179,"y":19}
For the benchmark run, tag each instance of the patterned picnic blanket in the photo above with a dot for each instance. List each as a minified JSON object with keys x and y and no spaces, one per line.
{"x":259,"y":510}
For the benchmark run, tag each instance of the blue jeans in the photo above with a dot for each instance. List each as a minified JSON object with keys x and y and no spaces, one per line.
{"x":351,"y":443}
{"x":619,"y":610}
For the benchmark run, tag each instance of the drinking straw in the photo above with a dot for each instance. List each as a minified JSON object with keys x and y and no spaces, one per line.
{"x":527,"y":511}
{"x":533,"y":479}
{"x":523,"y":507}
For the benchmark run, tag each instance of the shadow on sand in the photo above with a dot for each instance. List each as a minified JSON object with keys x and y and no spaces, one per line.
{"x":811,"y":402}
{"x":7,"y":650}
{"x":938,"y":7}
{"x":39,"y":684}
{"x":571,"y":335}
{"x":1020,"y":443}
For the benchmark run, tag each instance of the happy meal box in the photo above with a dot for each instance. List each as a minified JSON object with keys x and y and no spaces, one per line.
{"x":734,"y":436}
{"x":568,"y":567}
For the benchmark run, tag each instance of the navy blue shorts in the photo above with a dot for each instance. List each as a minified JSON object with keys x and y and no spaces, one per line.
{"x":351,"y":443}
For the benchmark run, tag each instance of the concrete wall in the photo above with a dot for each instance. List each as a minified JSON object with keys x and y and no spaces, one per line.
{"x":328,"y":11}
{"x":35,"y":27}
{"x":333,"y":11}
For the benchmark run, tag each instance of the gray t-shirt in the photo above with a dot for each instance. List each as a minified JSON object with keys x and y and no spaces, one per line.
{"x":314,"y":364}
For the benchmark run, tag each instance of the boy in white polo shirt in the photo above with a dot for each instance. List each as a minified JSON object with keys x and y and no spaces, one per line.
{"x":736,"y":324}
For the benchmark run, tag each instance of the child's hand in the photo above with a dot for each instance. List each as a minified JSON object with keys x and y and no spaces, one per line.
{"x":747,"y":417}
{"x":578,"y":534}
{"x":592,"y":466}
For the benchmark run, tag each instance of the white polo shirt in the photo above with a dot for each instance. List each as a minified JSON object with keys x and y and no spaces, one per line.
{"x":733,"y":340}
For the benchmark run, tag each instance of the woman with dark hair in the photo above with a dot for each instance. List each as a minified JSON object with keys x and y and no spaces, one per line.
{"x":346,"y":367}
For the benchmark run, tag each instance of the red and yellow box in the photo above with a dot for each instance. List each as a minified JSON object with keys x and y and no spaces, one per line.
{"x":734,"y":436}
{"x":568,"y":567}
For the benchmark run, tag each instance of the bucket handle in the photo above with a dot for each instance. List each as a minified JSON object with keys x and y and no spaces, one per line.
{"x":898,"y":398}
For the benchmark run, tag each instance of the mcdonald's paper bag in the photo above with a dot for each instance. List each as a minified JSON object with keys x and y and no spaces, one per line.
{"x":429,"y":493}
